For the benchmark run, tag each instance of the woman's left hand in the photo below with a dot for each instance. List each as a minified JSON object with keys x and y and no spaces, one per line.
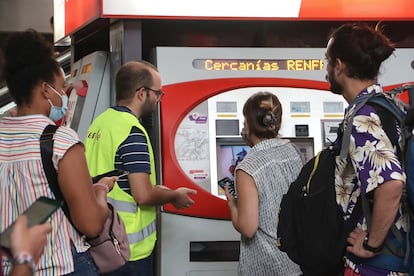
{"x":231,"y":200}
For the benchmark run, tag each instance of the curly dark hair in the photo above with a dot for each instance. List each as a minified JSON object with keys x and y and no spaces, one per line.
{"x":29,"y":60}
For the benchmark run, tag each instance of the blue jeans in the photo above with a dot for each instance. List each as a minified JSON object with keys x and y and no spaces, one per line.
{"x":143,"y":267}
{"x":84,"y":264}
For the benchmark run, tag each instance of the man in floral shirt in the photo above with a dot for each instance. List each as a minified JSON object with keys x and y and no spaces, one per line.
{"x":372,"y":169}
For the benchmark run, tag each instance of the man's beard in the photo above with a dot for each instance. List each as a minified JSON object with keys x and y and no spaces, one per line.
{"x":335,"y":86}
{"x":148,"y":108}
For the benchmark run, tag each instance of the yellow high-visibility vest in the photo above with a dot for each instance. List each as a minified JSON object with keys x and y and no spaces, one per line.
{"x":104,"y":136}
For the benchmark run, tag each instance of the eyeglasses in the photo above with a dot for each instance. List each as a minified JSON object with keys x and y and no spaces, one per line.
{"x":158,"y":93}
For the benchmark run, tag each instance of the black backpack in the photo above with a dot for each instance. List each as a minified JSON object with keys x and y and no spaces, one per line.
{"x":311,"y":228}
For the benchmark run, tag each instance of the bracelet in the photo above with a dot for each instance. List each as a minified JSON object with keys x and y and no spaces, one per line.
{"x":26,"y":259}
{"x":369,"y":248}
{"x":100,"y":184}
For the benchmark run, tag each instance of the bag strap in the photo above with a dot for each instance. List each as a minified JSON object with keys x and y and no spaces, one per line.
{"x":380,"y":99}
{"x":398,"y":115}
{"x":46,"y":152}
{"x":383,"y":101}
{"x":315,"y":167}
{"x":384,"y":106}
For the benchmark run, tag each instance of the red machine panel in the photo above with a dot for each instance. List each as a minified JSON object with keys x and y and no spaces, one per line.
{"x":178,"y":101}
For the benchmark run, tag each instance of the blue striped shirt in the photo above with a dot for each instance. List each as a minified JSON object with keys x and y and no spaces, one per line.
{"x":132,"y":155}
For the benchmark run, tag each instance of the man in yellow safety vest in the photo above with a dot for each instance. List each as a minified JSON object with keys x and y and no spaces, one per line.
{"x":117,"y":140}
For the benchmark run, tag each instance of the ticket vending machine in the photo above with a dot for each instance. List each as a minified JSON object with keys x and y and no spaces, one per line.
{"x":201,"y":118}
{"x":89,"y":91}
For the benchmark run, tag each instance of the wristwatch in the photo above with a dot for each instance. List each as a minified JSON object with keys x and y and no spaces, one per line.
{"x":372,"y":249}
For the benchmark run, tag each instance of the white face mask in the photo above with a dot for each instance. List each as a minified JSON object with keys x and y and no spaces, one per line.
{"x":57,"y":112}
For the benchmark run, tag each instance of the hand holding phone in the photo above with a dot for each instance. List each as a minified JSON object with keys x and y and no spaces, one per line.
{"x":227,"y":182}
{"x":37,"y":213}
{"x":115,"y":172}
{"x":31,"y":240}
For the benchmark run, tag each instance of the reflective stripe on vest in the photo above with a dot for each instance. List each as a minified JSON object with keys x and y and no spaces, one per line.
{"x":123,"y":206}
{"x":128,"y":207}
{"x":141,"y":235}
{"x":104,"y":137}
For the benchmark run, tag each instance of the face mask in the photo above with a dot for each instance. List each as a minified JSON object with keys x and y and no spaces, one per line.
{"x":57,"y":112}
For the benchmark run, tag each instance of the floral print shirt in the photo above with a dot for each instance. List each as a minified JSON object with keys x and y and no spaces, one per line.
{"x":371,"y":162}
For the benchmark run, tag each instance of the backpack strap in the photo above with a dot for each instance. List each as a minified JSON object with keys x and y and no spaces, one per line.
{"x":383,"y":101}
{"x":384,"y":106}
{"x":359,"y":103}
{"x":46,"y":152}
{"x":397,"y":114}
{"x":378,"y":98}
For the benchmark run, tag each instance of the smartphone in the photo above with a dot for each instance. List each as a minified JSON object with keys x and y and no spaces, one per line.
{"x":115,"y":172}
{"x":227,"y":182}
{"x":37,"y":213}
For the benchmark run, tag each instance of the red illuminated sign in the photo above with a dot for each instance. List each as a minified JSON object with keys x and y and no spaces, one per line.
{"x":357,"y":10}
{"x":78,"y":13}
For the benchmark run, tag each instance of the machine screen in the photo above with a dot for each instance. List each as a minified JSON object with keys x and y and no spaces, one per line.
{"x":229,"y":154}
